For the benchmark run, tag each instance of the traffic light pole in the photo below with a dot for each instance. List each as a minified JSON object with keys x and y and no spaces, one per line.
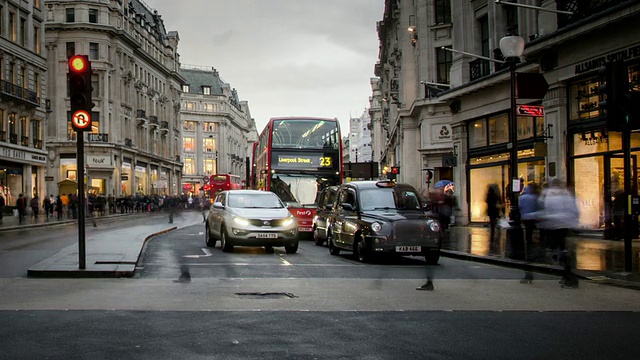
{"x":81,"y":234}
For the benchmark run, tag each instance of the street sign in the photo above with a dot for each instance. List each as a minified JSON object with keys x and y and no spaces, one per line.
{"x":531,"y":86}
{"x":205,"y":179}
{"x":531,"y":110}
{"x":81,"y":120}
{"x":48,"y":178}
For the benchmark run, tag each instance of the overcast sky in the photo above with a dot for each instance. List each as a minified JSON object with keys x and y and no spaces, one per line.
{"x":285,"y":57}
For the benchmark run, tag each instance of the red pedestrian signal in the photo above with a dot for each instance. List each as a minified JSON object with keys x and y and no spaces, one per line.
{"x":80,"y":88}
{"x":395,"y":170}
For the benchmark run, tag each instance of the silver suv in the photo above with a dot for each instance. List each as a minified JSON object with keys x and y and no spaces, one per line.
{"x":250,"y":218}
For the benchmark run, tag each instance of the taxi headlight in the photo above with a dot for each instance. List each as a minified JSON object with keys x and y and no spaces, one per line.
{"x":240,"y":221}
{"x":376,"y":227}
{"x":288,"y":222}
{"x":434,"y":226}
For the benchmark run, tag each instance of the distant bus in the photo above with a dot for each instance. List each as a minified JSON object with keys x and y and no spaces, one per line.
{"x":296,"y":158}
{"x":220,"y":182}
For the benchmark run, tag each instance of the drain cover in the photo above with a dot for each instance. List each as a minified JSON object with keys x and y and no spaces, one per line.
{"x":266,"y":295}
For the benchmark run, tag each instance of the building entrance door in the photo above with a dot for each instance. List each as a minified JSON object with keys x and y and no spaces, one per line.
{"x":615,"y":199}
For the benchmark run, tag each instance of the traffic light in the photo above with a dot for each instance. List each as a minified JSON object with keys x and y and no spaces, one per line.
{"x":615,"y":88}
{"x":80,"y":90}
{"x":395,"y":170}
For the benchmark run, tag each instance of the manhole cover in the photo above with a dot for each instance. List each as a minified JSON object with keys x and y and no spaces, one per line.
{"x":266,"y":295}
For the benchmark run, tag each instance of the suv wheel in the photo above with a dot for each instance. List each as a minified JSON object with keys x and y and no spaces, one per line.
{"x":291,"y":249}
{"x":224,"y":242}
{"x":208,"y":238}
{"x":333,"y":250}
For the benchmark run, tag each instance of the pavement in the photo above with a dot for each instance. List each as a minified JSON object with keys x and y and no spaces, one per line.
{"x":115,"y":254}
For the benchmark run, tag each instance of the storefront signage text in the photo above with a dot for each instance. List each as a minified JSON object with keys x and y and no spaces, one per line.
{"x":98,"y":161}
{"x":22,"y":155}
{"x":599,"y":62}
{"x":441,"y":133}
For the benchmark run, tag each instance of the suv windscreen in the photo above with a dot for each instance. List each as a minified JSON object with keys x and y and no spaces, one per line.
{"x":257,"y":201}
{"x":389,"y":198}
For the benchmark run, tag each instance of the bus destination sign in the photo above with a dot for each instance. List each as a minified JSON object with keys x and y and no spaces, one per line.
{"x":302,"y":161}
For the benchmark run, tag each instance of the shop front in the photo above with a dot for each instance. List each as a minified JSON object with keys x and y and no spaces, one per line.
{"x":141,"y":178}
{"x":126,"y":177}
{"x":21,"y":172}
{"x":99,"y":173}
{"x":488,"y":160}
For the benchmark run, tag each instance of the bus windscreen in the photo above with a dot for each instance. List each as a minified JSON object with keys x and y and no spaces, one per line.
{"x":305,"y":134}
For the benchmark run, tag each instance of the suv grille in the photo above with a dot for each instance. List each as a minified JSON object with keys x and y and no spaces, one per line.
{"x":266,"y":222}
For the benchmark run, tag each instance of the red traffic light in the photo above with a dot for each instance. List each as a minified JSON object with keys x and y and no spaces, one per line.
{"x":78,"y":63}
{"x":395,"y":170}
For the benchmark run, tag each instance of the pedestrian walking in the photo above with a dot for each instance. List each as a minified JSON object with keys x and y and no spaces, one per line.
{"x":494,"y":210}
{"x":559,"y":214}
{"x":2,"y":204}
{"x":21,"y":205}
{"x":47,"y":205}
{"x":528,"y":204}
{"x":35,"y":206}
{"x":59,"y":207}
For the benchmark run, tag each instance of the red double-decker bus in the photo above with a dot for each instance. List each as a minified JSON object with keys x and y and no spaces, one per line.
{"x":220,"y":182}
{"x":296,"y":158}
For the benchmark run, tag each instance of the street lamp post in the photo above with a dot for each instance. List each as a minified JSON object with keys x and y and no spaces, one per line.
{"x":512,"y":47}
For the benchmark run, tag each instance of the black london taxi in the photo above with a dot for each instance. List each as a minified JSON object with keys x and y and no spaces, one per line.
{"x":326,"y":202}
{"x":372,"y":218}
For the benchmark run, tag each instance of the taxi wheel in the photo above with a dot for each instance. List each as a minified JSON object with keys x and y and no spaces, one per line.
{"x":361,"y":252}
{"x":432,"y":257}
{"x":333,"y":250}
{"x":316,"y":238}
{"x":226,"y":247}
{"x":208,"y":238}
{"x":291,"y":249}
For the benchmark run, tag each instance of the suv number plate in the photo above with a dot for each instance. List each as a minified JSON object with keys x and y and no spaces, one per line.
{"x":408,"y":248}
{"x":267,"y":236}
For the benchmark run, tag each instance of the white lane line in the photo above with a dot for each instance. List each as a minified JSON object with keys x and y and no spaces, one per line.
{"x":206,"y":251}
{"x":284,"y":262}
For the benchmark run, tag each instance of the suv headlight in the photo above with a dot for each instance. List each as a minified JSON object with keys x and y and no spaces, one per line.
{"x":240,"y":221}
{"x":289,"y":221}
{"x":434,"y":226}
{"x":376,"y":227}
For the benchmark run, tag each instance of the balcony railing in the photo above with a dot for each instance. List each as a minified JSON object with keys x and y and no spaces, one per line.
{"x":3,"y":136}
{"x":72,"y":136}
{"x":479,"y":68}
{"x":153,"y":120}
{"x":20,"y":93}
{"x":164,"y":125}
{"x":128,"y":142}
{"x":141,"y":114}
{"x":13,"y":138}
{"x":24,"y":141}
{"x":581,"y":9}
{"x":37,"y":143}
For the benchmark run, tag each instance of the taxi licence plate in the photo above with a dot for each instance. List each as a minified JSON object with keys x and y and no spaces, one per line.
{"x":267,"y":236}
{"x":408,"y":248}
{"x":305,"y":229}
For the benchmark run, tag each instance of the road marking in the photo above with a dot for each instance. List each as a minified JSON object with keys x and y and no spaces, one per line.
{"x":206,"y":251}
{"x":284,"y":262}
{"x":198,"y":234}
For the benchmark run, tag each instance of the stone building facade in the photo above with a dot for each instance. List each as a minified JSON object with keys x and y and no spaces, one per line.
{"x":218,"y":131}
{"x":449,"y":111}
{"x":134,"y":146}
{"x":23,"y":99}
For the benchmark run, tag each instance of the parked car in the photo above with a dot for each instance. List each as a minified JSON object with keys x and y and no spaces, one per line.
{"x":326,"y":202}
{"x":372,"y":218}
{"x":250,"y":218}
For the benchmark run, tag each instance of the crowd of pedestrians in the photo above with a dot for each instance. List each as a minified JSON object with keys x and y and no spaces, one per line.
{"x":65,"y":206}
{"x":550,"y":209}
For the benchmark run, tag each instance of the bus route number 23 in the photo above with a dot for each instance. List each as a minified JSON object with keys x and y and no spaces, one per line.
{"x":325,"y":161}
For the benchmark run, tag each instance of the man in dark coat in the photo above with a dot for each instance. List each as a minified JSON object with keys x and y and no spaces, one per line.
{"x":21,"y":205}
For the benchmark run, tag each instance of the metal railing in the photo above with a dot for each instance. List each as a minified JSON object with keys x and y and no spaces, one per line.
{"x":479,"y":68}
{"x":19,"y":92}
